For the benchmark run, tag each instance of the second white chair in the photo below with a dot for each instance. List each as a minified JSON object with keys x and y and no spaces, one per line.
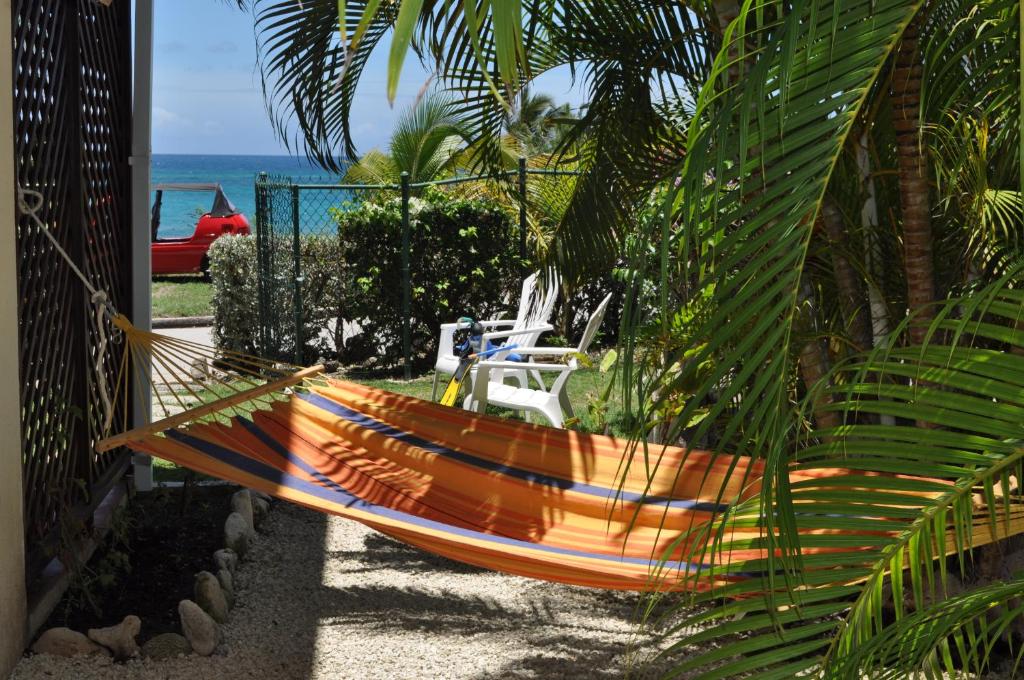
{"x":489,"y":386}
{"x":536,"y":304}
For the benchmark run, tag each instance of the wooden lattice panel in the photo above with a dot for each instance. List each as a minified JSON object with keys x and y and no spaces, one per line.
{"x":72,"y":135}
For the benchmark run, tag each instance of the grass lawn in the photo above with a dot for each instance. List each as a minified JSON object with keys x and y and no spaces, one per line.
{"x":181,"y":296}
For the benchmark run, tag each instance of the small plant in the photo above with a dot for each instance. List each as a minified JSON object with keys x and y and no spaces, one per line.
{"x":108,"y":566}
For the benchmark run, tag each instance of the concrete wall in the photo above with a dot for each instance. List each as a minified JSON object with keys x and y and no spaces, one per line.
{"x":12,"y":534}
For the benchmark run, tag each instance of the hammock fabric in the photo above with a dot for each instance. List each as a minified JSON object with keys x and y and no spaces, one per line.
{"x":525,"y":499}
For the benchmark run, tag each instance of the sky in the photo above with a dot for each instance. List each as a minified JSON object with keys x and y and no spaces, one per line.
{"x":207,"y":97}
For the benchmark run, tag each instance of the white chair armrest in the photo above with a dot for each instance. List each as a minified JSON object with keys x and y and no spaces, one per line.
{"x":524,"y":365}
{"x":505,"y":334}
{"x":552,"y":351}
{"x":491,"y":323}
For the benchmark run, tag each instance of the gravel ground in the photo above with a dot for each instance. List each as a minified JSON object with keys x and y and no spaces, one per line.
{"x":322,"y":597}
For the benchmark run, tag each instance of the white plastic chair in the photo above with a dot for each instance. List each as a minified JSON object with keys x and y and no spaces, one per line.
{"x":553,"y":404}
{"x":535,"y":308}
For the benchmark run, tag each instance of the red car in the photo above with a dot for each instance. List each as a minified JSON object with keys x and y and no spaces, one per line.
{"x":188,"y":255}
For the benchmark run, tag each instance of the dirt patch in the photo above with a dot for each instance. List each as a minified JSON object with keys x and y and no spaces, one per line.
{"x":147,"y":565}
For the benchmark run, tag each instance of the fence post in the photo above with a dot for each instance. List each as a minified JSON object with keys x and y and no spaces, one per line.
{"x":261,"y":268}
{"x":297,"y":256}
{"x":522,"y":215}
{"x":406,"y":283}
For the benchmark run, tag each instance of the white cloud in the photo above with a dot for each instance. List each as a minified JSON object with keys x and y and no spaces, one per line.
{"x":163,"y":118}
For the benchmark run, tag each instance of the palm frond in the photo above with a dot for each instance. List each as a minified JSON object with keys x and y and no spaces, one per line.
{"x":310,"y":75}
{"x":958,"y":632}
{"x":907,"y":498}
{"x":769,"y":131}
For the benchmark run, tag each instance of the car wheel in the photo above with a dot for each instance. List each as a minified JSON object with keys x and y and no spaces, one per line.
{"x":204,"y":268}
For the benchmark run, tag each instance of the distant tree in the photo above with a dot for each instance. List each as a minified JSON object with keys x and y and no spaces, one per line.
{"x":537,"y":123}
{"x":426,"y":143}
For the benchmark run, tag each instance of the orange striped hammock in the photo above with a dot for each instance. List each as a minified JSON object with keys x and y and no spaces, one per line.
{"x":509,"y":496}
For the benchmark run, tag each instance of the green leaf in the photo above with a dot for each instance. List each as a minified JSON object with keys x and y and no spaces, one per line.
{"x":401,"y":39}
{"x":609,"y":360}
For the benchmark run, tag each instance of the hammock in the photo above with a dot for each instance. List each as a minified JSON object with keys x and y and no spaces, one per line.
{"x":543,"y":503}
{"x":536,"y":501}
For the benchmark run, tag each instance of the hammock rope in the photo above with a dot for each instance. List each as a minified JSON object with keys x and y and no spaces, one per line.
{"x":30,"y":202}
{"x":189,"y":381}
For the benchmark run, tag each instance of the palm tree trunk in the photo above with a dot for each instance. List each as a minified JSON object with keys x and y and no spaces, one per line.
{"x":727,"y":11}
{"x":851,"y":296}
{"x":814,"y":362}
{"x":880,"y":326}
{"x":873,"y":266}
{"x":913,"y":181}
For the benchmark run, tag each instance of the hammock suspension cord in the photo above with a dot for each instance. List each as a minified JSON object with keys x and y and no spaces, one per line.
{"x":30,"y":202}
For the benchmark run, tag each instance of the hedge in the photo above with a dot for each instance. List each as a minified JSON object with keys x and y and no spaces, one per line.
{"x":464,"y":262}
{"x":236,"y":297}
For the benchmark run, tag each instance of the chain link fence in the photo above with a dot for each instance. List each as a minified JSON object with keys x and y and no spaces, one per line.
{"x":301,"y":284}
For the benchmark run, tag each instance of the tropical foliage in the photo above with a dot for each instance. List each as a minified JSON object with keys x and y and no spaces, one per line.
{"x":830,"y":172}
{"x":426,"y":144}
{"x":536,"y":123}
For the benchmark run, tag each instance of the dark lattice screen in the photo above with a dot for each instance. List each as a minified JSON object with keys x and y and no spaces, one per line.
{"x":72,"y":104}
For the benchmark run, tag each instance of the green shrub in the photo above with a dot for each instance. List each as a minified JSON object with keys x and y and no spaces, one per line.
{"x":464,"y":261}
{"x":235,"y":274}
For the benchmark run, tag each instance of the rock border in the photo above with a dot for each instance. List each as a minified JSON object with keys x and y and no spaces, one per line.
{"x":200,"y":619}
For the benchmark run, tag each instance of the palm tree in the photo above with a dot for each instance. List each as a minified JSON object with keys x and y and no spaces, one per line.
{"x":915,"y":200}
{"x":536,"y":123}
{"x":425,"y":143}
{"x":634,"y":136}
{"x":809,"y":139}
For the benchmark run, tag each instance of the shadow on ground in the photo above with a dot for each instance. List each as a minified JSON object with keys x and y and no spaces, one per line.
{"x":387,"y":553}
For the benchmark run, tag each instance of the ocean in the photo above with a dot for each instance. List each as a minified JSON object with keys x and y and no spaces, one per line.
{"x":236,"y":174}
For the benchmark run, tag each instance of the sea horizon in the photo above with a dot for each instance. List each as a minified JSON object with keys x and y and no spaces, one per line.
{"x":236,"y":173}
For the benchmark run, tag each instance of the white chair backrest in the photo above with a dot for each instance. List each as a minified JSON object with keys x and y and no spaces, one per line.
{"x":526,"y":299}
{"x":540,"y":306}
{"x":594,"y":325}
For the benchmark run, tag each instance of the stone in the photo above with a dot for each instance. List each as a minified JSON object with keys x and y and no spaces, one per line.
{"x":119,"y":639}
{"x":241,"y":502}
{"x":166,"y":646}
{"x":259,"y":494}
{"x":260,"y":510}
{"x":227,"y":584}
{"x":236,"y":534}
{"x":200,"y":630}
{"x":226,"y":558}
{"x":210,"y":597}
{"x":198,"y":369}
{"x":66,"y":642}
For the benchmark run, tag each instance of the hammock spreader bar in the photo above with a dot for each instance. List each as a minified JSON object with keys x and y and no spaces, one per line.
{"x":212,"y":407}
